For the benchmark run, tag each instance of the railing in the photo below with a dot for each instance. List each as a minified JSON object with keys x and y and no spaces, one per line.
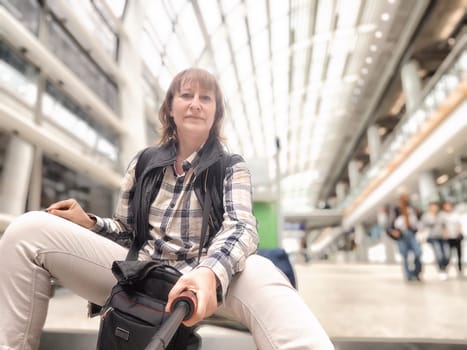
{"x":451,"y":73}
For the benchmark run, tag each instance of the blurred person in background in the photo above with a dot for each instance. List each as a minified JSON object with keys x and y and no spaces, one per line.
{"x":432,"y":221}
{"x":402,"y":227}
{"x":453,"y":232}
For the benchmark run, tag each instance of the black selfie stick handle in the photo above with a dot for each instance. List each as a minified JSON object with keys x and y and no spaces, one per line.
{"x":183,"y":308}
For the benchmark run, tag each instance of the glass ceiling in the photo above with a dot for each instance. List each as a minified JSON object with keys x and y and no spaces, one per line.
{"x":291,"y":71}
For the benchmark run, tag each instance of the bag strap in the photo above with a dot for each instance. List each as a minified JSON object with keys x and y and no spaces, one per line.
{"x":133,"y":251}
{"x":206,"y":211}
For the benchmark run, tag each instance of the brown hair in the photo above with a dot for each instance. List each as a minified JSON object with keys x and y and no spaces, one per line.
{"x":207,"y":81}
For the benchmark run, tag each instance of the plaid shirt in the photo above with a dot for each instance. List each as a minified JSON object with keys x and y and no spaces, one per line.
{"x":175,"y":219}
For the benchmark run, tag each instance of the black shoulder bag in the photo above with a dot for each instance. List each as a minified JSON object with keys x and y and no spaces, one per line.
{"x":135,"y":310}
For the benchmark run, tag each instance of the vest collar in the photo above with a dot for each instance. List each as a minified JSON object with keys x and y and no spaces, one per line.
{"x":210,"y":153}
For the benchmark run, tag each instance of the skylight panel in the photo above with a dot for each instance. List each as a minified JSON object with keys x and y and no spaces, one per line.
{"x":249,"y":89}
{"x":336,"y":67}
{"x":298,"y":69}
{"x":174,"y":7}
{"x":229,"y":5}
{"x":165,"y":77}
{"x":237,"y":28}
{"x":279,"y":34}
{"x":278,"y":9}
{"x":151,"y":56}
{"x":221,"y":49}
{"x":176,"y":54}
{"x":257,"y":15}
{"x":265,"y":96}
{"x":324,"y":16}
{"x":317,"y":64}
{"x":116,"y":6}
{"x":348,"y":15}
{"x":192,"y":34}
{"x":162,"y":24}
{"x":211,"y":14}
{"x":260,"y":45}
{"x":228,"y":82}
{"x":342,"y":43}
{"x":243,"y":60}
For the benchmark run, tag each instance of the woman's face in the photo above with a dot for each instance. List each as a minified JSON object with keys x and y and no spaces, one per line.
{"x":193,"y":110}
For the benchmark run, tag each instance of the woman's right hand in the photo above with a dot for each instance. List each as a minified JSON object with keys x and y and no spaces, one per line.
{"x":71,"y":210}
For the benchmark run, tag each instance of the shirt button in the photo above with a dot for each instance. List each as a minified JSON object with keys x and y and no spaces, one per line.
{"x":172,"y":205}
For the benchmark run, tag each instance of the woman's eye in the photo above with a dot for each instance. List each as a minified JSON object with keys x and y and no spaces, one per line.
{"x":185,"y":95}
{"x":206,"y":98}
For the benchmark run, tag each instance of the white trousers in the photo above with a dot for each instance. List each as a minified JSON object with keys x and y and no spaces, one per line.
{"x":37,"y":246}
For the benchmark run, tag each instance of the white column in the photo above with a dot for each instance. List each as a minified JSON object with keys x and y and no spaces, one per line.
{"x":411,"y":84}
{"x":354,"y":173}
{"x":390,"y":247}
{"x":362,"y":244}
{"x":427,"y":188}
{"x":374,"y":143}
{"x":341,"y":191}
{"x":131,"y":92}
{"x":16,"y":176}
{"x":35,"y":187}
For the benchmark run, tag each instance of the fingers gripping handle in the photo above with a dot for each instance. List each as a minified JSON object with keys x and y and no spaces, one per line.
{"x":183,"y":307}
{"x":188,"y":298}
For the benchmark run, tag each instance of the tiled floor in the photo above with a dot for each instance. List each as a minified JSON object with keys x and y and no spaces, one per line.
{"x":372,"y":301}
{"x":351,"y":301}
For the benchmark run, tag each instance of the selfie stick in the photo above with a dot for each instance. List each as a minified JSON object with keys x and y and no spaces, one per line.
{"x":183,"y":308}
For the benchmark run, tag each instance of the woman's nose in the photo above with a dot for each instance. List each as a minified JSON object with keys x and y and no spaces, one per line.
{"x":195,"y":103}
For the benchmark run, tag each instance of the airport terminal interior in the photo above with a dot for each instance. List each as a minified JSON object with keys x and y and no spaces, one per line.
{"x":339,"y":107}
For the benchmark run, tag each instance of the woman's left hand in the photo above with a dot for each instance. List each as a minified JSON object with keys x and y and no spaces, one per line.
{"x":203,"y":283}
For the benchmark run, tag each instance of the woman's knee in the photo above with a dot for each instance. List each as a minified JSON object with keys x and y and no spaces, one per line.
{"x":260,"y":272}
{"x":26,"y":225}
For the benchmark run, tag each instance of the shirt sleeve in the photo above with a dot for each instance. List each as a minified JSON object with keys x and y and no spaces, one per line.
{"x":238,"y":237}
{"x":119,"y":228}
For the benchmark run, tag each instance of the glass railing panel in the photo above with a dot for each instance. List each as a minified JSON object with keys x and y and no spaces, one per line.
{"x":62,"y":111}
{"x":17,"y":75}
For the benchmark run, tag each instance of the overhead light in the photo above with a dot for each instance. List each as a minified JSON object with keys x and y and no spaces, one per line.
{"x":373,"y":48}
{"x":350,"y":78}
{"x":442,"y":179}
{"x":369,"y":60}
{"x":378,"y":34}
{"x":385,"y":16}
{"x":364,"y":71}
{"x":366,"y":28}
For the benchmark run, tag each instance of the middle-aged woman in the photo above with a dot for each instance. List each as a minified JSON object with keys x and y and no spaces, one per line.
{"x":78,"y":248}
